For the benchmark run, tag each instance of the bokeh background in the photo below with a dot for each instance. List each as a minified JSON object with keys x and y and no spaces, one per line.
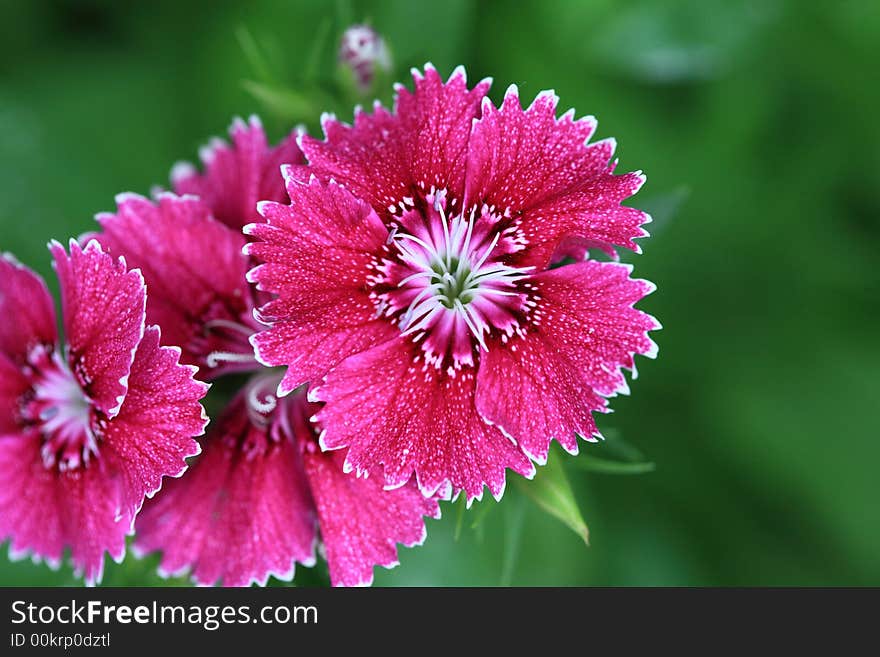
{"x":757,"y":125}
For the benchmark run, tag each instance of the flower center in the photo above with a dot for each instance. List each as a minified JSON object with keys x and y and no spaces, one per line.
{"x":62,"y":412}
{"x":446,"y":282}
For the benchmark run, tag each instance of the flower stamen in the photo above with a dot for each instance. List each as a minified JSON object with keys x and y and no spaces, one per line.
{"x":449,"y":281}
{"x":216,"y":357}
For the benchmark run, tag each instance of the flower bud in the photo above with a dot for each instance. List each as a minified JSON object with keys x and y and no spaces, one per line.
{"x":362,"y":50}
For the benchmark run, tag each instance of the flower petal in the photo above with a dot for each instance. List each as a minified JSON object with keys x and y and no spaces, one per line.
{"x":28,"y":506}
{"x":361,"y":523}
{"x":104,"y":313}
{"x":240,"y":174}
{"x":193,"y":267}
{"x":383,"y":157}
{"x":318,"y":253}
{"x":23,"y":295}
{"x":407,"y":417}
{"x":545,"y":385}
{"x":44,"y":511}
{"x":542,"y":170}
{"x":153,"y":433}
{"x":13,"y":384}
{"x":86,"y":500}
{"x":236,"y":517}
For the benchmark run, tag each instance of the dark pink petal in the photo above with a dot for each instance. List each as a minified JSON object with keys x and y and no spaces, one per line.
{"x":236,"y":517}
{"x":541,"y":169}
{"x":405,"y":417}
{"x":13,"y":384}
{"x":384,"y":157}
{"x":103,"y":305}
{"x":29,"y":514}
{"x":545,"y":385}
{"x":153,"y":433}
{"x":317,"y":255}
{"x":85,"y":500}
{"x":193,"y":267}
{"x":361,"y":523}
{"x":44,"y":511}
{"x":23,"y":295}
{"x":240,"y":174}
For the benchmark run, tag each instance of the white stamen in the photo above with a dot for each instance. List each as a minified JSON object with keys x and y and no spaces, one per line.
{"x":450,"y":273}
{"x":265,"y":406}
{"x":472,"y":325}
{"x":216,"y":357}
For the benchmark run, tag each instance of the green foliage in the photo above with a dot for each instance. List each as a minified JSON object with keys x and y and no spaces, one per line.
{"x":551,"y":491}
{"x":607,"y":466}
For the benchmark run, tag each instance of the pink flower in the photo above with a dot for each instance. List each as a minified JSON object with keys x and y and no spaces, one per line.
{"x":194,"y":269}
{"x":189,"y":247}
{"x":255,"y":501}
{"x":86,"y":433}
{"x":238,"y":175}
{"x":363,"y":51}
{"x":252,"y":504}
{"x":413,"y":288}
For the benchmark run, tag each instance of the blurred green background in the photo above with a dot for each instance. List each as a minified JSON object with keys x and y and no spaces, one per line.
{"x":757,"y":125}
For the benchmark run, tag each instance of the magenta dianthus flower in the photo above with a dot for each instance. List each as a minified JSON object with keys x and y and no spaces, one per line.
{"x":86,"y":433}
{"x":260,"y":495}
{"x":414,"y":291}
{"x":238,"y":174}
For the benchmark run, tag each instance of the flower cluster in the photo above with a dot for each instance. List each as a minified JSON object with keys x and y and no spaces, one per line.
{"x":399,"y":313}
{"x":252,"y":505}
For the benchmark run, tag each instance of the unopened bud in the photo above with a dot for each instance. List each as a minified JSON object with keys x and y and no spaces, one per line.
{"x":364,"y":51}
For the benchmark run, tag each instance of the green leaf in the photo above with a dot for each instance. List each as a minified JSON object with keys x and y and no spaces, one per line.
{"x":459,"y":521}
{"x":253,"y":55}
{"x":626,"y":459}
{"x":478,"y":512}
{"x":592,"y":463}
{"x":288,"y":104}
{"x":551,"y":491}
{"x":514,"y":517}
{"x":481,"y":511}
{"x":318,"y":51}
{"x":615,"y":445}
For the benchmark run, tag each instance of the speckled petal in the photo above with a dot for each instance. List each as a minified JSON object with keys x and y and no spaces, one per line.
{"x":317,"y":255}
{"x":194,"y":270}
{"x":384,"y":156}
{"x":240,"y":174}
{"x":23,"y":295}
{"x":237,"y":516}
{"x":545,"y":385}
{"x":155,"y":429}
{"x":361,"y":523}
{"x":104,"y":318}
{"x":542,"y":170}
{"x":45,"y":511}
{"x":409,"y":418}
